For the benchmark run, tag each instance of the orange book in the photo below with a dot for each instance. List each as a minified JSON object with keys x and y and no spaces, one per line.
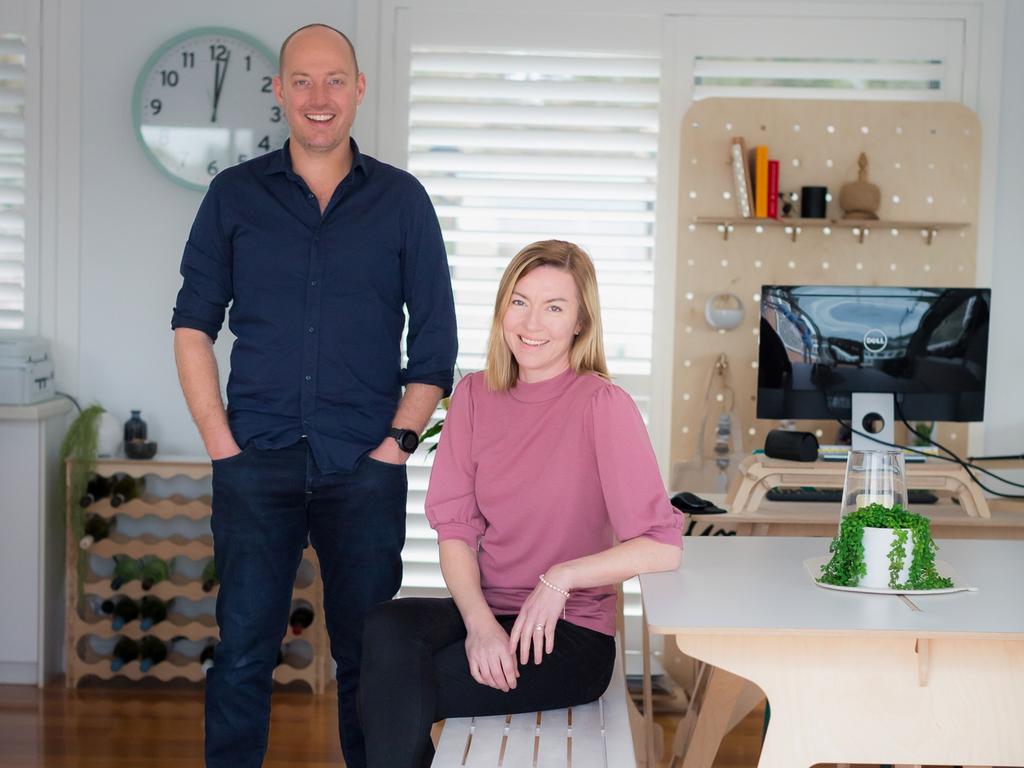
{"x":759,"y":170}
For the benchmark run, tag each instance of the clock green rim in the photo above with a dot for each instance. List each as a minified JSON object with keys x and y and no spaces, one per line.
{"x":137,"y":91}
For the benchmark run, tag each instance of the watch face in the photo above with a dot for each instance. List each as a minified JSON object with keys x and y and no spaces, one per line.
{"x":204,"y":101}
{"x":408,"y":440}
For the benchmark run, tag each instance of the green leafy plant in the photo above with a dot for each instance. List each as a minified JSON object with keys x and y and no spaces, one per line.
{"x":846,"y":567}
{"x":78,"y":460}
{"x":436,"y":427}
{"x":922,"y":433}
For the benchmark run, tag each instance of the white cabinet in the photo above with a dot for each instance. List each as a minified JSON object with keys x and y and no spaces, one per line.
{"x":31,"y":542}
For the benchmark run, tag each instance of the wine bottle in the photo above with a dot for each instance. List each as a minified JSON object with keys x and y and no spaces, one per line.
{"x":125,"y":651}
{"x":97,"y":528}
{"x":135,"y":428}
{"x":152,"y":650}
{"x":153,"y":610}
{"x":206,"y":658}
{"x":125,"y":569}
{"x":301,"y":618}
{"x":154,"y":570}
{"x":125,"y":610}
{"x":209,"y":576}
{"x":99,"y":606}
{"x":97,"y":488}
{"x":125,"y":488}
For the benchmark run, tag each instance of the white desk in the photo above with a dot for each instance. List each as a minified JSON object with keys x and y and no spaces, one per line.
{"x":856,"y":678}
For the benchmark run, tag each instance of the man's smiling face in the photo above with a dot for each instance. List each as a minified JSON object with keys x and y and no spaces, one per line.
{"x":319,"y":89}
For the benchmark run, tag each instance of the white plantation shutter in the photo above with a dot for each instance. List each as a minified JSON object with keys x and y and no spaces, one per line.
{"x":828,"y":57}
{"x":818,"y":78}
{"x":518,"y":145}
{"x":12,"y":182}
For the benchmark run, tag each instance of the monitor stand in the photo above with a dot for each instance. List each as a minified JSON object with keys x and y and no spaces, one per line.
{"x":867,"y":407}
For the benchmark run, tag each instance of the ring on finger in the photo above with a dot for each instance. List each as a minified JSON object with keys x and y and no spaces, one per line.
{"x":538,"y":627}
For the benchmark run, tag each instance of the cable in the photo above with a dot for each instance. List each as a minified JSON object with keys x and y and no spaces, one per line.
{"x":952,"y":459}
{"x":1005,"y":457}
{"x":69,"y":397}
{"x":968,"y":466}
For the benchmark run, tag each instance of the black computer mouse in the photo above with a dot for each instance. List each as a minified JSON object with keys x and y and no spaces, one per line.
{"x":688,"y":502}
{"x":693,"y":504}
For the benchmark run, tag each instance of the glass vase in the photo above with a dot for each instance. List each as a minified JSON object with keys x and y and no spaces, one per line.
{"x":874,"y":477}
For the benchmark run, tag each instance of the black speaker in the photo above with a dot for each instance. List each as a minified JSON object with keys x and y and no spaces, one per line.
{"x":791,"y":446}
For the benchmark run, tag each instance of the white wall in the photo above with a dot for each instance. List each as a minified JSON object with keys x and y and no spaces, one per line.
{"x":134,"y":221}
{"x":1004,"y":408}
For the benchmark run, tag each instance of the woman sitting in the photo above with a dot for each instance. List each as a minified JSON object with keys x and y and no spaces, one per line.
{"x":542,"y":464}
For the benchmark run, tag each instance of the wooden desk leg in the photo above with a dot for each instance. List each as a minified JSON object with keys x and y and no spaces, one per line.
{"x":860,"y":700}
{"x":721,"y":700}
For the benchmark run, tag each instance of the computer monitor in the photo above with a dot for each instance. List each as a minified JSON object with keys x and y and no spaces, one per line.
{"x":855,"y":352}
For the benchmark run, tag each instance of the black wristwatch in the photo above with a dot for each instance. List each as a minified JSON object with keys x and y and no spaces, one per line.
{"x":407,"y":439}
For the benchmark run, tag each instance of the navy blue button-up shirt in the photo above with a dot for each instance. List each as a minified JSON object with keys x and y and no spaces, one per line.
{"x":317,"y":301}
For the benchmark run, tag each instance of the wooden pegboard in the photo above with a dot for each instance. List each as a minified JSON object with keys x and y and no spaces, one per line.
{"x":924,"y":156}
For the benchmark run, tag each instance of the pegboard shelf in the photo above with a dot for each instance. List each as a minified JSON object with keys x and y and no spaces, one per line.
{"x":925,"y":159}
{"x":859,"y":227}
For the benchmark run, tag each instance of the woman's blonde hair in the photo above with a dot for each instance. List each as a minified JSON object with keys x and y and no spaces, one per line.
{"x":587,"y":352}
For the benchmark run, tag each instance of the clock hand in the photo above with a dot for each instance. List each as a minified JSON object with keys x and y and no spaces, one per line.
{"x":220,"y":71}
{"x":216,"y":90}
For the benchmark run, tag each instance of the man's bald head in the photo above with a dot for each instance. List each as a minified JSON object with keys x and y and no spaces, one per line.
{"x":284,"y":45}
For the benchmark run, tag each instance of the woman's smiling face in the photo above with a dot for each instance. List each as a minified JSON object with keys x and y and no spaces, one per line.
{"x":541,"y":322}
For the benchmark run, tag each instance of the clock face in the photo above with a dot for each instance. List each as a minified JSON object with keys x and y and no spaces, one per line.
{"x":204,"y":102}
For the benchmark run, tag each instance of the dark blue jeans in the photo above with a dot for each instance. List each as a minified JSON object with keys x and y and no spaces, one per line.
{"x":266,"y":504}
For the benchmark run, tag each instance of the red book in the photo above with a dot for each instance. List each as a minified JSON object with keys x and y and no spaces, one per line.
{"x":773,"y":189}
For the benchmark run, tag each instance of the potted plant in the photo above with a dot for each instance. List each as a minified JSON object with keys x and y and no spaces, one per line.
{"x":879,"y":547}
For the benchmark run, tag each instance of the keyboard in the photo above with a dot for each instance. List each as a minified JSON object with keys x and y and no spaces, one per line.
{"x":828,"y":495}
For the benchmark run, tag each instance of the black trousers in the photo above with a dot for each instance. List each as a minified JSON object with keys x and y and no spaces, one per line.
{"x":415,"y":672}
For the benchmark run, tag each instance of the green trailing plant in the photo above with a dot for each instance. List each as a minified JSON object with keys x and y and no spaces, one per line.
{"x":78,"y":462}
{"x":846,"y":566}
{"x":436,"y":427}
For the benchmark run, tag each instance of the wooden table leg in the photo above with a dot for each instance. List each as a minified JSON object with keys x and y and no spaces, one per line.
{"x":720,"y":701}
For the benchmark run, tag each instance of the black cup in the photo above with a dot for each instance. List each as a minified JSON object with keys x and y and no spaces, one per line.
{"x":812,"y":202}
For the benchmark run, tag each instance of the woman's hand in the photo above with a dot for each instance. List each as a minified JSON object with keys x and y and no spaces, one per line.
{"x":535,"y":624}
{"x":490,"y":660}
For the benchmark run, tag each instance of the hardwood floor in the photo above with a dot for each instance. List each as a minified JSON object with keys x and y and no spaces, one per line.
{"x":154,"y":728}
{"x":160,"y":728}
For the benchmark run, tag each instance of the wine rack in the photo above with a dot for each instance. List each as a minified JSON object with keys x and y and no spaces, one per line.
{"x":85,"y":592}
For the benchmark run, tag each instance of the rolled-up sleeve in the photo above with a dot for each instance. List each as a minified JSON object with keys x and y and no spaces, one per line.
{"x":427,"y":287}
{"x":206,"y":288}
{"x":451,"y":505}
{"x":630,"y":482}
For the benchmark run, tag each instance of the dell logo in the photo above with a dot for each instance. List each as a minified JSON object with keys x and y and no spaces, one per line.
{"x":875,"y":340}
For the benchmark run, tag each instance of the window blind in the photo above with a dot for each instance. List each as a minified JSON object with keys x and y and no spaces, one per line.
{"x":12,"y":182}
{"x":818,"y":78}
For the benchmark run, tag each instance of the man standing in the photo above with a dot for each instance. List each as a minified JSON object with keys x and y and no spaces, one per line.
{"x":317,"y":248}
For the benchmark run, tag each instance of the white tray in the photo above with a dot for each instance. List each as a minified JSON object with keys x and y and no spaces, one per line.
{"x":813,"y":566}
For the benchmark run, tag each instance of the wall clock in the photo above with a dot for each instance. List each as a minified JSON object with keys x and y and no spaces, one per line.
{"x":204,"y":102}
